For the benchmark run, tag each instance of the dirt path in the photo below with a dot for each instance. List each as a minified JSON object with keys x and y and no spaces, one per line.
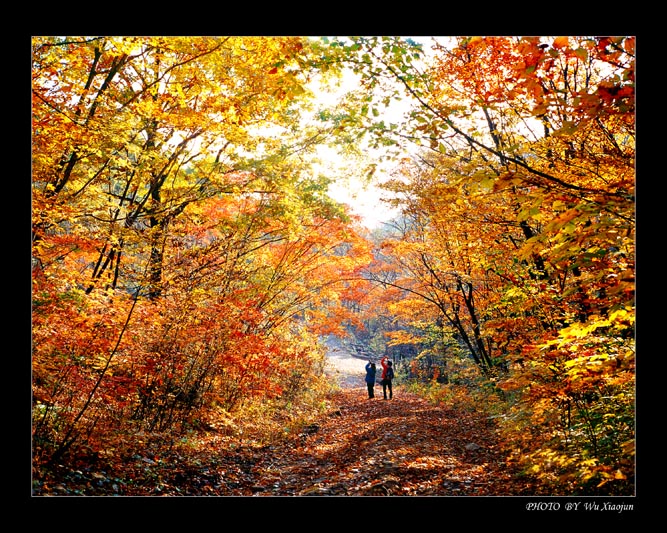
{"x":361,"y":447}
{"x":403,"y":446}
{"x":342,"y":366}
{"x":399,"y":447}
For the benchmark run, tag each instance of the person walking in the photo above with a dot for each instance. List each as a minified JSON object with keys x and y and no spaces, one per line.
{"x":387,"y":377}
{"x":370,"y":378}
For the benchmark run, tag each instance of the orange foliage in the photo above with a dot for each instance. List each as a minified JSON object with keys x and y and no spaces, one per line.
{"x":519,"y":232}
{"x":185,"y":258}
{"x":173,"y":276}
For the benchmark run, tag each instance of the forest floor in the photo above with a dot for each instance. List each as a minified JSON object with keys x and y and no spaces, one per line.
{"x":405,"y":446}
{"x":378,"y":447}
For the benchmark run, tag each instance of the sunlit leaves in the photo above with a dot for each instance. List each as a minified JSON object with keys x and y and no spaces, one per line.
{"x":182,"y":242}
{"x":180,"y":237}
{"x":531,"y":200}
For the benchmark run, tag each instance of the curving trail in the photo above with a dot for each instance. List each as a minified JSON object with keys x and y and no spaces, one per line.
{"x":399,"y":447}
{"x":344,"y":367}
{"x":376,"y":447}
{"x":359,"y":447}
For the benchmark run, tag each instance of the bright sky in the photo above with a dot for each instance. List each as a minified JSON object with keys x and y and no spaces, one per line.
{"x":365,"y":200}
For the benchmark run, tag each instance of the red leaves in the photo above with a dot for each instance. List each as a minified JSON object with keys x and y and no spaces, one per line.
{"x":405,"y":446}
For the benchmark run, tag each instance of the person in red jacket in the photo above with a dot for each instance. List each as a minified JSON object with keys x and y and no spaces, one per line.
{"x":387,"y":377}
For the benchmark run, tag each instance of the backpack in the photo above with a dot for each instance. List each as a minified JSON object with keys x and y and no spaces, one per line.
{"x":390,"y":373}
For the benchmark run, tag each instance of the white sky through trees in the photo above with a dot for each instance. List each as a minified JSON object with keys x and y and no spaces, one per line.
{"x":365,"y":199}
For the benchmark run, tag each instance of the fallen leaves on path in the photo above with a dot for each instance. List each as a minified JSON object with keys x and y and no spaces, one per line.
{"x":374,"y":447}
{"x":403,"y":446}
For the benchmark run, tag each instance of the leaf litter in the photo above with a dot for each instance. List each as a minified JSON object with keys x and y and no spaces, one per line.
{"x":361,"y":447}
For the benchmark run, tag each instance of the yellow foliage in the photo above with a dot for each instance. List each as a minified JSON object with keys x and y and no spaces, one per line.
{"x":399,"y":337}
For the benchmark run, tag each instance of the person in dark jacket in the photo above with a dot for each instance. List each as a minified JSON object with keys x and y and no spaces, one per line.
{"x":370,"y":378}
{"x":387,"y":376}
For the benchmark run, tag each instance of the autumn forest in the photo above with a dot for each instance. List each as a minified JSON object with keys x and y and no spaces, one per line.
{"x":189,"y":262}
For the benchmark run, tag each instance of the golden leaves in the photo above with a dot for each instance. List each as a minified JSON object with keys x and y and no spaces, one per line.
{"x":561,"y":42}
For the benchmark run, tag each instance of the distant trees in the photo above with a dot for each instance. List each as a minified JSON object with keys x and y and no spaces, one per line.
{"x":186,"y":254}
{"x":518,"y":234}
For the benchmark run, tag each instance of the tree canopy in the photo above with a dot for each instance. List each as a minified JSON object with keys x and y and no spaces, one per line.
{"x":187,"y":258}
